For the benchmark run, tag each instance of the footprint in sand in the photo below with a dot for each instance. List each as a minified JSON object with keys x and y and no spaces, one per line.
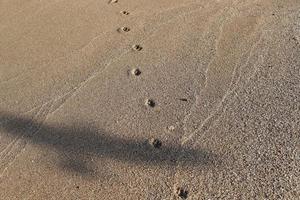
{"x":156,"y":143}
{"x":113,"y":1}
{"x":181,"y":192}
{"x":123,"y":29}
{"x":137,"y":47}
{"x":150,"y":102}
{"x":136,"y":72}
{"x":124,"y":12}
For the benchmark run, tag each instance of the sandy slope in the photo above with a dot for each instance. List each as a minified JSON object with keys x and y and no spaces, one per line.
{"x":224,"y":76}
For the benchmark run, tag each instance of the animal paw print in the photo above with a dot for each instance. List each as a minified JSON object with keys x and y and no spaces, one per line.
{"x":124,"y":29}
{"x":113,"y":1}
{"x":136,"y":72}
{"x":150,"y":102}
{"x":124,"y":12}
{"x":137,"y":47}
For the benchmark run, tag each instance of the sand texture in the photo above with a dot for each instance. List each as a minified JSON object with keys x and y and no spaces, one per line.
{"x":161,"y":99}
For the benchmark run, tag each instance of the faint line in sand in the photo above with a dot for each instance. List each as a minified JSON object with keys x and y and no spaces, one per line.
{"x":216,"y":42}
{"x":187,"y":116}
{"x":16,"y":147}
{"x":222,"y":105}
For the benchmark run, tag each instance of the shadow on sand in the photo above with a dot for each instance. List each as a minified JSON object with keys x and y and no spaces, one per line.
{"x":79,"y":144}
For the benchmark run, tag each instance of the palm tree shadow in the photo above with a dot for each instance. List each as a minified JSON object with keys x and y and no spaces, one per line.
{"x":78,"y":144}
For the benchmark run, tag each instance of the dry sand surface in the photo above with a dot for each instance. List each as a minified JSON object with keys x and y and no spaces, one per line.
{"x":161,"y":99}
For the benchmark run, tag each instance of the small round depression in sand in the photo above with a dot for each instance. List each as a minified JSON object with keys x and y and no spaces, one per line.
{"x":113,"y":1}
{"x":137,"y":47}
{"x":125,"y":29}
{"x":150,"y":103}
{"x":124,"y":12}
{"x":156,"y":143}
{"x":181,"y":192}
{"x":136,"y":72}
{"x":171,"y":128}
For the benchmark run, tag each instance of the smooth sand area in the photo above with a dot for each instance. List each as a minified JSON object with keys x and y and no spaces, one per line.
{"x":161,"y":99}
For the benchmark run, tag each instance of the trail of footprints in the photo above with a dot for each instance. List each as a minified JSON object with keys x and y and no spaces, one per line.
{"x":154,"y":142}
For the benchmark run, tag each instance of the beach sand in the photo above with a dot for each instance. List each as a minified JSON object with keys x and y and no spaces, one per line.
{"x":169,"y":99}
